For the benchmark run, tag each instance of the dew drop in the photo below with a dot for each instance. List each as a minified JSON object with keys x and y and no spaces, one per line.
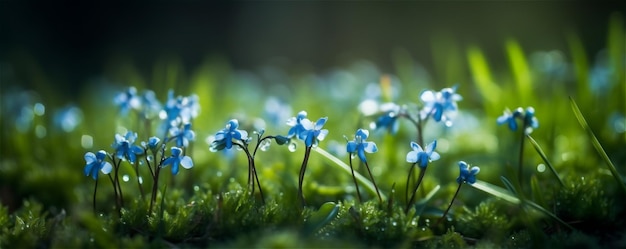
{"x":212,"y":149}
{"x":394,"y":224}
{"x":196,"y":188}
{"x":150,"y":158}
{"x":265,"y":145}
{"x":292,"y":147}
{"x":140,"y":179}
{"x":125,"y":178}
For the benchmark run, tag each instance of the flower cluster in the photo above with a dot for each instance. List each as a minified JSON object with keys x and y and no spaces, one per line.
{"x":176,"y":115}
{"x":529,"y":121}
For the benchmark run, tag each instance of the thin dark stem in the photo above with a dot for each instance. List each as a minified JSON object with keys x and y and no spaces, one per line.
{"x":94,"y":196}
{"x":155,"y":186}
{"x":259,"y":143}
{"x":307,"y":152}
{"x":449,"y":206}
{"x":358,"y":193}
{"x":119,"y":186}
{"x":252,"y":174}
{"x":408,"y":181}
{"x":419,"y":181}
{"x":117,"y":205}
{"x":373,"y":182}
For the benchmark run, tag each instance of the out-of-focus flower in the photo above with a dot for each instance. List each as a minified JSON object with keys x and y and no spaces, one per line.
{"x":510,"y":118}
{"x":389,"y":119}
{"x":128,"y":100}
{"x":530,"y":120}
{"x":152,"y":143}
{"x":183,"y":136}
{"x":441,"y":105}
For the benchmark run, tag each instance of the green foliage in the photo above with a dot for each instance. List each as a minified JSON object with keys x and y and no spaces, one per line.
{"x":486,"y":221}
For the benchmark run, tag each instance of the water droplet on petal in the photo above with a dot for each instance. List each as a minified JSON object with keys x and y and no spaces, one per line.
{"x":125,"y":178}
{"x":292,"y":147}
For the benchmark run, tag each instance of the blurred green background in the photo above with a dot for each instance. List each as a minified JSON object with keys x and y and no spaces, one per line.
{"x":61,"y":66}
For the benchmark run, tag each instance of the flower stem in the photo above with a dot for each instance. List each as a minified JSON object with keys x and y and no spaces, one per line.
{"x":419,"y":181}
{"x":117,"y":206}
{"x":358,"y":193}
{"x":374,"y":182}
{"x":307,"y":152}
{"x":94,"y":196}
{"x":408,"y":180}
{"x":155,"y":186}
{"x":449,"y":206}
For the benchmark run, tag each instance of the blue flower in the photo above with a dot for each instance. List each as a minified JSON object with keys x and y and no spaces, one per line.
{"x":95,"y":163}
{"x":176,"y":159}
{"x":150,"y":105}
{"x":152,"y":143}
{"x":466,"y":174}
{"x":180,"y":109}
{"x":124,"y":147}
{"x":421,"y":157}
{"x":360,"y":146}
{"x":224,"y":138}
{"x":530,"y":120}
{"x":297,"y":129}
{"x":440,"y":104}
{"x":389,"y":118}
{"x":510,"y":118}
{"x":128,"y":100}
{"x":313,"y":133}
{"x":183,"y":136}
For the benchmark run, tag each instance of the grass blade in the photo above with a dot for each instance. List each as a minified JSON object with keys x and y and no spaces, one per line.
{"x":508,"y":185}
{"x":360,"y":178}
{"x":495,"y":191}
{"x":544,"y":157}
{"x":596,"y":144}
{"x":548,"y":213}
{"x":421,"y":204}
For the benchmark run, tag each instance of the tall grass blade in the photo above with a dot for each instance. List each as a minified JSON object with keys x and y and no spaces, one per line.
{"x":596,"y":144}
{"x":495,"y":191}
{"x":421,"y":204}
{"x":521,"y":72}
{"x":481,"y":74}
{"x":508,"y":185}
{"x":545,"y":158}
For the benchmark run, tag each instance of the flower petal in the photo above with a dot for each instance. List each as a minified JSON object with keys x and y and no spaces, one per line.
{"x":186,"y":162}
{"x":322,"y":134}
{"x":90,"y":157}
{"x":351,"y":147}
{"x":320,"y":123}
{"x":434,"y":156}
{"x":416,"y":147}
{"x":428,"y":96}
{"x":88,"y":168}
{"x":307,"y":124}
{"x":430,"y":148}
{"x":168,"y":161}
{"x":411,"y":157}
{"x":175,"y":167}
{"x":106,"y":168}
{"x":370,"y":147}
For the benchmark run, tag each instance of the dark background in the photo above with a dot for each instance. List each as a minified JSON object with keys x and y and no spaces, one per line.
{"x":71,"y":41}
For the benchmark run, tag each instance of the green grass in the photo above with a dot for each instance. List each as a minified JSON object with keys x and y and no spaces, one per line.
{"x":46,"y":200}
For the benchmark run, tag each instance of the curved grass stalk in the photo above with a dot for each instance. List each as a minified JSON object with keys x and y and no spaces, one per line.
{"x":596,"y":144}
{"x":369,"y":186}
{"x":545,"y":158}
